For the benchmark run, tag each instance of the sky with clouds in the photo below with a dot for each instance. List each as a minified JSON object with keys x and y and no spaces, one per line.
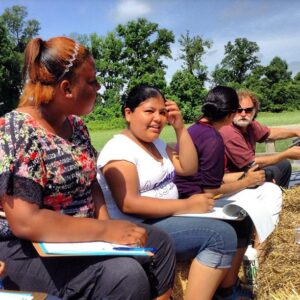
{"x":273,"y":24}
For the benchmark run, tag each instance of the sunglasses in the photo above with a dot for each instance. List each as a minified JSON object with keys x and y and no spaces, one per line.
{"x":247,"y":110}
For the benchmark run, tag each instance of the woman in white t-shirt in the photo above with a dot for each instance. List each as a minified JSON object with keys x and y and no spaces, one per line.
{"x":136,"y":172}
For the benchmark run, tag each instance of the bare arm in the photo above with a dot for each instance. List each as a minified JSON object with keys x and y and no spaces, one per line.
{"x":291,"y":153}
{"x":186,"y":160}
{"x":233,"y":182}
{"x":100,"y":206}
{"x":122,"y":178}
{"x":277,"y":133}
{"x":28,"y":221}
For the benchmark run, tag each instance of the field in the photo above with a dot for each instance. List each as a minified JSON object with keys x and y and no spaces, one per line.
{"x":100,"y":137}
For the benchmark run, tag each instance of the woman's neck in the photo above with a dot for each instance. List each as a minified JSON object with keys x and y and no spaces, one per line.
{"x":133,"y":137}
{"x":216,"y":125}
{"x":147,"y":146}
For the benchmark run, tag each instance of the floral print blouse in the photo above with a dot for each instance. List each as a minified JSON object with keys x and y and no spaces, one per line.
{"x":45,"y":169}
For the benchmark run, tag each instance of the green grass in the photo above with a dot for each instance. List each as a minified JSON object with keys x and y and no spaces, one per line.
{"x":279,"y":146}
{"x":276,"y":119}
{"x":100,"y":137}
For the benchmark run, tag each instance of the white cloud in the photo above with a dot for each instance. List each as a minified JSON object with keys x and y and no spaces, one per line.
{"x":130,"y":9}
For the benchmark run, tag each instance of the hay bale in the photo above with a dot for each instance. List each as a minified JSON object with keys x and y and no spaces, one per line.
{"x":279,"y":269}
{"x":181,"y":279}
{"x":278,"y":275}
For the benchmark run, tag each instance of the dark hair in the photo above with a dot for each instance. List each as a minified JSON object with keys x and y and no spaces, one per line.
{"x":45,"y":64}
{"x":219,"y":103}
{"x":138,"y":94}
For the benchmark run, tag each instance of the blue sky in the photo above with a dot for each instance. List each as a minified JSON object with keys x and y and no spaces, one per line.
{"x":273,"y":24}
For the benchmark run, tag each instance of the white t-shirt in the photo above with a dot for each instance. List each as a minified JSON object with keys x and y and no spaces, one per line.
{"x":155,"y":177}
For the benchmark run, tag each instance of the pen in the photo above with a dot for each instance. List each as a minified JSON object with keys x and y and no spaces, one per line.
{"x":135,"y":249}
{"x":218,"y":196}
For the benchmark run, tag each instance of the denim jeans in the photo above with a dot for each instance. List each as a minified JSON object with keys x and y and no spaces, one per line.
{"x":281,"y":172}
{"x":212,"y":242}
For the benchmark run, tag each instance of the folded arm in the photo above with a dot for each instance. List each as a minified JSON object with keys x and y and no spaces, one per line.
{"x":28,"y":221}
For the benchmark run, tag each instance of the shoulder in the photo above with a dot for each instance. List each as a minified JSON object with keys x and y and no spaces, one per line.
{"x":201,"y":132}
{"x":255,"y":125}
{"x":229,"y":129}
{"x":78,"y":124}
{"x":17,"y":127}
{"x":229,"y":132}
{"x":119,"y":147}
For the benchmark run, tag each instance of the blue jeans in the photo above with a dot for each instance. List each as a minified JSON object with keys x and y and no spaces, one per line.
{"x":212,"y":242}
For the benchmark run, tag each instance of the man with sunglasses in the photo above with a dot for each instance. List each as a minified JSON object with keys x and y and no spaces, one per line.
{"x":240,"y":139}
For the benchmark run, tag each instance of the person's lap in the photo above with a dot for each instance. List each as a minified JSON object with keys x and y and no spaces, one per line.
{"x":213,"y":242}
{"x":93,"y":277}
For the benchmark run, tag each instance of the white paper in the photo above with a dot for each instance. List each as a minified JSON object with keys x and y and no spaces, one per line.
{"x":15,"y":296}
{"x":260,"y":204}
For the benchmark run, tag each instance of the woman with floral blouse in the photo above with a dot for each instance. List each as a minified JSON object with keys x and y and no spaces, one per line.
{"x":49,"y":192}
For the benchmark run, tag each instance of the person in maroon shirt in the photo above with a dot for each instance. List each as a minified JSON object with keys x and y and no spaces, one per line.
{"x":241,"y":136}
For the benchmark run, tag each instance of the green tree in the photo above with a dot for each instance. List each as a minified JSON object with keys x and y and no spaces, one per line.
{"x":108,"y":53}
{"x":240,"y":58}
{"x":258,"y":83}
{"x":297,"y":77}
{"x":190,"y":93}
{"x":277,"y":70}
{"x":192,"y":51}
{"x":19,"y":30}
{"x":145,"y":46}
{"x":10,"y":73}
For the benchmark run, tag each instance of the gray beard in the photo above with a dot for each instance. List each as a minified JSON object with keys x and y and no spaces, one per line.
{"x":242,"y":123}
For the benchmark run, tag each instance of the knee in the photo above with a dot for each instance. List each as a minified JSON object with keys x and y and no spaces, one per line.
{"x":220,"y":249}
{"x":126,"y":279}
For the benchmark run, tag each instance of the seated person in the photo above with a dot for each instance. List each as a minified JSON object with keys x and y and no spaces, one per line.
{"x":137,"y":172}
{"x":240,"y":139}
{"x":49,"y":191}
{"x":218,"y":110}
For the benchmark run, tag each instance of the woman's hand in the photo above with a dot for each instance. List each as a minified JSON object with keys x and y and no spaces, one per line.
{"x":199,"y":203}
{"x":124,"y":232}
{"x":255,"y":177}
{"x":174,"y":115}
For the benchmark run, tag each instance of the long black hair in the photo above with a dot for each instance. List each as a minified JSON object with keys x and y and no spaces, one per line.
{"x":219,"y":103}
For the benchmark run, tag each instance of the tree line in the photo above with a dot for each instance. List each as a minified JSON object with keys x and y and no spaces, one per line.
{"x":134,"y":53}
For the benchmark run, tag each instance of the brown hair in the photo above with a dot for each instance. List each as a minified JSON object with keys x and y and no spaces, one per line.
{"x":45,"y":64}
{"x":244,"y":93}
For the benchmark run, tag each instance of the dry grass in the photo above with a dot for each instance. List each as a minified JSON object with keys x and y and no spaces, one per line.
{"x":279,"y":268}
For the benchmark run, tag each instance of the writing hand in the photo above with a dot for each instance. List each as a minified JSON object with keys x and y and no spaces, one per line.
{"x":200,"y":203}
